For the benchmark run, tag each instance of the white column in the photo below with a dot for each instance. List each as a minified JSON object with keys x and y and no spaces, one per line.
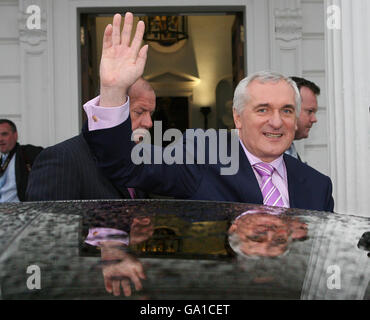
{"x":348,"y":81}
{"x":36,"y":103}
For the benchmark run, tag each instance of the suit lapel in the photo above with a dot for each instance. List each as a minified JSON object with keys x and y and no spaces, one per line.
{"x":296,"y":184}
{"x":250,"y":190}
{"x":20,"y":174}
{"x":246,"y":179}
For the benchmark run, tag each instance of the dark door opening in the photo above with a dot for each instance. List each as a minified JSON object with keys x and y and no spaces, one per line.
{"x":176,"y":110}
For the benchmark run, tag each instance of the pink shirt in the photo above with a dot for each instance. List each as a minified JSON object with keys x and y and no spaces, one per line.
{"x":105,"y":117}
{"x":97,"y":236}
{"x":99,"y":118}
{"x":279,"y":176}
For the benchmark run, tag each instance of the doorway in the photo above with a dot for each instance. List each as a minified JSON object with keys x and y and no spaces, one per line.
{"x":187,"y":72}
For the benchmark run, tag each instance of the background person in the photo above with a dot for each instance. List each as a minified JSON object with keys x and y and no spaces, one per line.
{"x":307,"y":117}
{"x":16,"y":163}
{"x":68,"y":170}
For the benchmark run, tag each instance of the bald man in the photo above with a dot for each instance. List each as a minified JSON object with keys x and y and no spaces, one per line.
{"x":68,"y":171}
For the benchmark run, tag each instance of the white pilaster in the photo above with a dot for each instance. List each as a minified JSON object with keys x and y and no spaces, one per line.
{"x":286,"y":56}
{"x":35,"y":83}
{"x":348,"y":80}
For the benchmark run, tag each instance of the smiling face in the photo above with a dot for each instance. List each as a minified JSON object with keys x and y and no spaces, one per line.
{"x":307,"y":116}
{"x":268,"y":122}
{"x":8,"y":138}
{"x":261,"y":235}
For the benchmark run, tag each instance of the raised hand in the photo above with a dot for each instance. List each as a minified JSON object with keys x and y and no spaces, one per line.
{"x":121,"y":274}
{"x":120,"y":269}
{"x":121,"y":63}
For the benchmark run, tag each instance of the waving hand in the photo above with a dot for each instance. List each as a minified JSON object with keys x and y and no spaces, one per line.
{"x":121,"y":63}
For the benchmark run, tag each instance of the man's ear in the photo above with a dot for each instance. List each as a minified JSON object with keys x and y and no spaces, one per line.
{"x":237,"y":120}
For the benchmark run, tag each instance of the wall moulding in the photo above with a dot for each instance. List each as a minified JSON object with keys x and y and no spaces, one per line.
{"x":287,"y":18}
{"x":288,"y":24}
{"x":32,"y":37}
{"x":9,"y":3}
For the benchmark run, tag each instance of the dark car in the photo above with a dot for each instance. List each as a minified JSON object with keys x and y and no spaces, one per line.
{"x":172,"y":249}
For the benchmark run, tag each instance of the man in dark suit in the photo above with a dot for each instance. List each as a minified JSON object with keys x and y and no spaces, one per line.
{"x":307,"y":117}
{"x":16,"y":162}
{"x":68,"y":170}
{"x":265,"y":109}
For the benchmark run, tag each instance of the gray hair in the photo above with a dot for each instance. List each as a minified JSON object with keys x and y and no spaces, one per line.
{"x":241,"y":95}
{"x":138,"y":87}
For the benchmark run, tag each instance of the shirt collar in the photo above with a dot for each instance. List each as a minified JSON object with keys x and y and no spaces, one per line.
{"x":3,"y":157}
{"x":278,"y":163}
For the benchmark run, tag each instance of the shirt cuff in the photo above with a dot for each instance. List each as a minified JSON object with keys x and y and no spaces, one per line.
{"x":97,"y":236}
{"x":105,"y":117}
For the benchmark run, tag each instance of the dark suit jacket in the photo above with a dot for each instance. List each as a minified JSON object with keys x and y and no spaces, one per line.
{"x":308,"y":188}
{"x":24,"y":157}
{"x":68,"y":171}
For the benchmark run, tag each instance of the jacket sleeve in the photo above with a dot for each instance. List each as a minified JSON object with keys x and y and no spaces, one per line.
{"x":113,"y":149}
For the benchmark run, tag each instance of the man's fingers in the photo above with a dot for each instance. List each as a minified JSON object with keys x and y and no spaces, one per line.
{"x":141,"y":59}
{"x":108,"y":284}
{"x":116,"y":39}
{"x":138,"y":38}
{"x":141,"y":273}
{"x":127,"y":27}
{"x":107,"y":38}
{"x":116,"y":289}
{"x":126,"y":287}
{"x":137,"y":282}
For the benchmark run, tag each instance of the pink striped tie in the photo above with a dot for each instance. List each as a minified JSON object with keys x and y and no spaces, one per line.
{"x":132,"y":193}
{"x":271,"y":195}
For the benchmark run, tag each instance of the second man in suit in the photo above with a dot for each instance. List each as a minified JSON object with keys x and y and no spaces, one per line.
{"x":307,"y":117}
{"x":68,"y":170}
